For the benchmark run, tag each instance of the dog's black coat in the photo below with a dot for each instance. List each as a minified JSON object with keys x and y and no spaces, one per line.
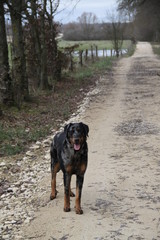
{"x":69,"y":152}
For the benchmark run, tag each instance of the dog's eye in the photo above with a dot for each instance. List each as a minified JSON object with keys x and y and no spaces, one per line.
{"x":72,"y":130}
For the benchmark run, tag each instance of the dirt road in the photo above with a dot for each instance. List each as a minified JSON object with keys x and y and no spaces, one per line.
{"x":121,"y":194}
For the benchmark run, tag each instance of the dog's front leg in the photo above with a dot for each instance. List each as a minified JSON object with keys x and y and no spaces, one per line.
{"x":67,"y":181}
{"x":79,"y":185}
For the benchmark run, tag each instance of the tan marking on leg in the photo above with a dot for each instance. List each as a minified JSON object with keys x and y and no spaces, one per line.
{"x":78,"y":202}
{"x":66,"y":203}
{"x":53,"y":181}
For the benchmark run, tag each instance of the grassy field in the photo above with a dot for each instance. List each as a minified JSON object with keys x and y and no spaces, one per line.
{"x":87,"y":44}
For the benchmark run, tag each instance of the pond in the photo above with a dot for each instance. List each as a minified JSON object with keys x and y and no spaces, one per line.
{"x":102,"y":53}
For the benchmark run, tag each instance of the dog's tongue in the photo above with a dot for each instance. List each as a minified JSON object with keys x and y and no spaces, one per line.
{"x":77,"y":147}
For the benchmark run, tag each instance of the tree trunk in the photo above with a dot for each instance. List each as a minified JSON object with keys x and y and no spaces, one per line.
{"x":5,"y":80}
{"x":21,"y":92}
{"x":55,"y":54}
{"x":35,"y":36}
{"x":86,"y":55}
{"x":44,"y":76}
{"x":81,"y":58}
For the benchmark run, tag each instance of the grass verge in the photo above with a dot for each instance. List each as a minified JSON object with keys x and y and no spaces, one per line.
{"x":36,"y":119}
{"x":156,"y":48}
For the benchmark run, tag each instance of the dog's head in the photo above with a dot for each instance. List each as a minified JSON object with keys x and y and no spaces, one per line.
{"x":76,"y":133}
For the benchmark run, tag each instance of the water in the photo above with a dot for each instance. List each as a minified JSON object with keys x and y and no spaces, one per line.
{"x":101,"y":53}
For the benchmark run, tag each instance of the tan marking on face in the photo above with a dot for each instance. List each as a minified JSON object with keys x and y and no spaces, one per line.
{"x":72,"y":141}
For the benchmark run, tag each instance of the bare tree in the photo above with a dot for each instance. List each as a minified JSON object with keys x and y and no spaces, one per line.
{"x":54,"y":54}
{"x":117,"y":30}
{"x":35,"y":45}
{"x":34,"y":33}
{"x":87,"y":21}
{"x":43,"y":31}
{"x":43,"y":78}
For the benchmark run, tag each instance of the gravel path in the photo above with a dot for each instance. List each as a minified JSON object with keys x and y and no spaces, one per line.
{"x":121,"y":194}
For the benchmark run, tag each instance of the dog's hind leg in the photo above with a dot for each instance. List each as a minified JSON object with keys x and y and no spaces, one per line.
{"x":55,"y":167}
{"x":53,"y":181}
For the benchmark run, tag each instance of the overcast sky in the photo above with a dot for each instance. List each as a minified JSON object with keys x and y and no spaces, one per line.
{"x":74,"y":9}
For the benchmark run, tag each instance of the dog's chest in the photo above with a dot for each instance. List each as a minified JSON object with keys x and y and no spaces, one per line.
{"x":74,"y":162}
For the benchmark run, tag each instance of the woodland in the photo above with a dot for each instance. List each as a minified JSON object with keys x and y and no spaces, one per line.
{"x":32,"y":66}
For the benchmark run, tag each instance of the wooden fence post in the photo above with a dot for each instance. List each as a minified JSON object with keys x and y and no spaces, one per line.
{"x":96,"y":52}
{"x":92,"y":56}
{"x":86,"y":54}
{"x":80,"y":57}
{"x":71,"y":61}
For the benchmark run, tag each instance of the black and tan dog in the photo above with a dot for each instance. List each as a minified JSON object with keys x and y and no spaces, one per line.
{"x":69,"y":152}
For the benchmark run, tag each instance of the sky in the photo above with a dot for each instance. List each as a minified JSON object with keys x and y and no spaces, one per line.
{"x":70,"y":10}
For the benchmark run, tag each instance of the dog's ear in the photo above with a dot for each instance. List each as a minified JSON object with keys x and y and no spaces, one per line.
{"x":66,"y":128}
{"x":86,"y":129}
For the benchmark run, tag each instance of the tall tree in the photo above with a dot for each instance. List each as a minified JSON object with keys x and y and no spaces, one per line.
{"x":43,"y":30}
{"x":55,"y":54}
{"x":21,"y":91}
{"x":5,"y":80}
{"x":46,"y":19}
{"x":35,"y":45}
{"x":44,"y":78}
{"x":117,"y":30}
{"x":146,"y":17}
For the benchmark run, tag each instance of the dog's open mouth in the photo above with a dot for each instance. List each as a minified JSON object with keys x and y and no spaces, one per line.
{"x":77,"y":147}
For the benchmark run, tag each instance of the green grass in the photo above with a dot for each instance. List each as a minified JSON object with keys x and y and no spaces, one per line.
{"x":83,"y":45}
{"x":82,"y":73}
{"x":103,"y":64}
{"x":89,"y":71}
{"x":10,"y":150}
{"x":156,"y":48}
{"x":131,"y":50}
{"x":13,"y":139}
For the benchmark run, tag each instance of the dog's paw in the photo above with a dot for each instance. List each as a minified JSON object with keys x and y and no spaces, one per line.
{"x":53,"y":196}
{"x":67,"y":209}
{"x":79,"y":211}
